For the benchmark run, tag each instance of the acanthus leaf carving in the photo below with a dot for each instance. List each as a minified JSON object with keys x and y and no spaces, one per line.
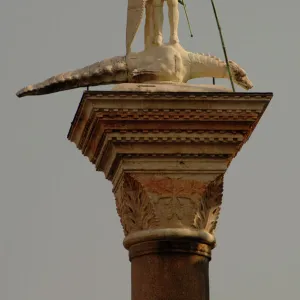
{"x":134,"y":206}
{"x":210,"y":206}
{"x":153,"y":201}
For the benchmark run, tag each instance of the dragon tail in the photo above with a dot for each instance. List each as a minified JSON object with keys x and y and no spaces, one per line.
{"x":108,"y":71}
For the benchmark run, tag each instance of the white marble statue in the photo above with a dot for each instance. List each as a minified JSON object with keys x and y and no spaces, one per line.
{"x":153,"y":23}
{"x":164,"y":64}
{"x":157,"y":63}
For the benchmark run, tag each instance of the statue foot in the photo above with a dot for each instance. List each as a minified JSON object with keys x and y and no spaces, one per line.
{"x":174,"y":40}
{"x":158,"y":41}
{"x":128,"y":50}
{"x":147,"y":46}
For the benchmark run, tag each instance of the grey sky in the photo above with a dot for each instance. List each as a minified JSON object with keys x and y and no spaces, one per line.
{"x":60,"y":236}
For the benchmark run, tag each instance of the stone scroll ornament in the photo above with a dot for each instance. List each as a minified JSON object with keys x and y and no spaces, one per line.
{"x":158,"y":62}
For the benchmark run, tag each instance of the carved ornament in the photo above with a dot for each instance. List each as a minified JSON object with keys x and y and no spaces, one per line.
{"x":147,"y":202}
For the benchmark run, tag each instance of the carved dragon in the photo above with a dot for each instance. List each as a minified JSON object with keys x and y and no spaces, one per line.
{"x":159,"y":63}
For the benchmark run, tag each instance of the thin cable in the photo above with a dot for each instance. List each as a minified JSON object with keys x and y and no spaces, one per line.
{"x":223,"y":44}
{"x":186,"y":14}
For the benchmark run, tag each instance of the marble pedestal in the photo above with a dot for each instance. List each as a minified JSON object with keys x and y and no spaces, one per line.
{"x":166,"y":154}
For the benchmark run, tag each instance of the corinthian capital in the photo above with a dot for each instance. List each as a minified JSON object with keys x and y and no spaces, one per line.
{"x":165,"y":203}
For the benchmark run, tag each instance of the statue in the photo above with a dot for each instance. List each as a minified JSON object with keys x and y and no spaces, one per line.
{"x":158,"y":64}
{"x":153,"y":23}
{"x":169,"y":63}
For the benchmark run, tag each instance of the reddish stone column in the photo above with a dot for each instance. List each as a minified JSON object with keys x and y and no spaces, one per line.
{"x":168,"y":223}
{"x":170,"y":269}
{"x":166,"y":154}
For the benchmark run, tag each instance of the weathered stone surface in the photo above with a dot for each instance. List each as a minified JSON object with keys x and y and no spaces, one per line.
{"x":153,"y":206}
{"x":165,"y":63}
{"x":169,"y":87}
{"x":166,"y":154}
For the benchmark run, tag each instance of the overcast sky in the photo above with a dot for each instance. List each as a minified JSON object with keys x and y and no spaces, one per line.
{"x":60,"y":236}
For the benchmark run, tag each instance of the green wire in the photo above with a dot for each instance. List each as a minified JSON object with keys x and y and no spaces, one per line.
{"x":223,"y":44}
{"x":187,"y":17}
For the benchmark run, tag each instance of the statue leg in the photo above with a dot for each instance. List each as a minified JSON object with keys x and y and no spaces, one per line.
{"x":148,"y":32}
{"x":158,"y":21}
{"x":173,"y":20}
